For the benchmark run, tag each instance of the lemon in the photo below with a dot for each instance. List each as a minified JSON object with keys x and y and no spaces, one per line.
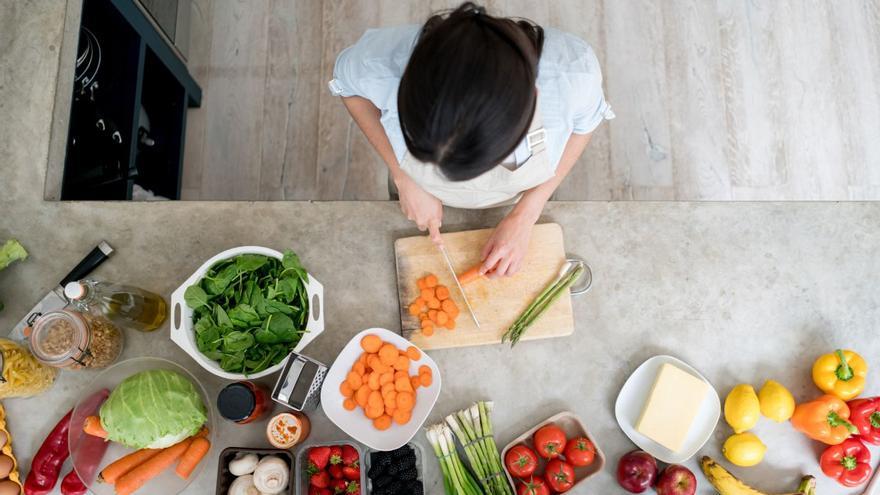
{"x":744,"y":449}
{"x":742,"y":408}
{"x":777,"y":403}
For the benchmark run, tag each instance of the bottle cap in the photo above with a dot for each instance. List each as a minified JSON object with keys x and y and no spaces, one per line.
{"x":74,"y":291}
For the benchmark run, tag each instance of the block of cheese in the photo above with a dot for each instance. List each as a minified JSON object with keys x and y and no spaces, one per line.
{"x":672,"y":405}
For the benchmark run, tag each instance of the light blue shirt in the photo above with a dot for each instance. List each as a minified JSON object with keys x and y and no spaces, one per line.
{"x":569,"y":84}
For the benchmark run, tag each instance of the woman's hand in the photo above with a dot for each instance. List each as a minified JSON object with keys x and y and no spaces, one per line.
{"x":420,"y":206}
{"x":504,"y":252}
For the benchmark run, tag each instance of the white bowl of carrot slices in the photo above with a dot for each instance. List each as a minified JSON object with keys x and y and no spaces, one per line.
{"x":380,"y":389}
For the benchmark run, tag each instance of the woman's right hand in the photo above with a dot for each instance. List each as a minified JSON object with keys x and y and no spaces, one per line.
{"x":420,"y":206}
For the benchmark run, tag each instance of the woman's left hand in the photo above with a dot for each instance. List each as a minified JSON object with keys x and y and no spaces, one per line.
{"x":504,"y":252}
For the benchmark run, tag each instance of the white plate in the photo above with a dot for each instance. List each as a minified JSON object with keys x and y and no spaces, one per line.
{"x":182,"y":332}
{"x":632,"y":399}
{"x":354,"y":423}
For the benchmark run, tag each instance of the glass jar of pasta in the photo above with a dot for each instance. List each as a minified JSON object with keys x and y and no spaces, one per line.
{"x":22,"y":375}
{"x":73,"y":340}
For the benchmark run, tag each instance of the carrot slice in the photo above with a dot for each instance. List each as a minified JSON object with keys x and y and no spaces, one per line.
{"x":405,"y":401}
{"x":345,"y":389}
{"x":362,"y":395}
{"x":371,"y":343}
{"x":414,"y":309}
{"x":450,"y":325}
{"x":359,"y":368}
{"x":431,"y":280}
{"x":428,"y":330}
{"x":402,"y":384}
{"x":349,"y":404}
{"x":441,"y":292}
{"x":426,"y":379}
{"x":383,"y":422}
{"x":402,"y":417}
{"x":432,"y":315}
{"x":402,"y":363}
{"x":448,"y":305}
{"x":420,"y":283}
{"x":425,"y":369}
{"x":415,"y":381}
{"x":388,"y":354}
{"x":413,"y":353}
{"x":442,"y":317}
{"x":373,"y":381}
{"x":426,"y":294}
{"x":354,"y":380}
{"x":434,"y":303}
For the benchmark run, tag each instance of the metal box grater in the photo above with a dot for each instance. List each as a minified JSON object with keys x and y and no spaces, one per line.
{"x":299,"y":385}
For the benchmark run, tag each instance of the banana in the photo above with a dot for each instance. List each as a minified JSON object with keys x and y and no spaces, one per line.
{"x":728,"y":484}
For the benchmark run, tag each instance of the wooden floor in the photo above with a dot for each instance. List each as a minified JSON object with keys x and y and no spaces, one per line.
{"x":724,"y":100}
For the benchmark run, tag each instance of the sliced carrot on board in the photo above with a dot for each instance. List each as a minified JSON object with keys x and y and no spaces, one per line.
{"x":434,"y":303}
{"x":426,"y":294}
{"x":414,"y":309}
{"x":382,"y":422}
{"x":402,"y":363}
{"x":450,"y":325}
{"x":413,"y":353}
{"x":442,"y":317}
{"x":449,"y":306}
{"x":371,"y":343}
{"x":469,"y":275}
{"x":432,"y":315}
{"x":349,"y":404}
{"x":426,"y":379}
{"x":431,"y":280}
{"x":420,"y":283}
{"x":427,"y":328}
{"x":441,"y":292}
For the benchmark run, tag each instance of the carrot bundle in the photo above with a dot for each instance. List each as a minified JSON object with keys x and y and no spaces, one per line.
{"x":149,"y":469}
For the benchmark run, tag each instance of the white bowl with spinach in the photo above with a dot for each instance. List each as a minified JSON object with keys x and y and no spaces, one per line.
{"x":244,"y":310}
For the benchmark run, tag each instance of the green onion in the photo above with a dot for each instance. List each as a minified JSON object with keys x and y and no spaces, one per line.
{"x":473,"y":428}
{"x":544,"y":300}
{"x":457,"y":480}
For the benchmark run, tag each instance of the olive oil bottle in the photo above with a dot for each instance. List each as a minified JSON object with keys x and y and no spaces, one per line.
{"x":124,"y":305}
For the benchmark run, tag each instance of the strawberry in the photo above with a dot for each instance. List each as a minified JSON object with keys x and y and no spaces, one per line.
{"x":353,"y":488}
{"x":320,"y":479}
{"x":350,"y":456}
{"x":335,"y":454}
{"x":318,"y":458}
{"x":338,"y":486}
{"x":335,"y":471}
{"x":351,"y":472}
{"x":314,"y":490}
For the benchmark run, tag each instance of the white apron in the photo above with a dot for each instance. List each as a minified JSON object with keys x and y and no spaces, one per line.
{"x":498,"y":186}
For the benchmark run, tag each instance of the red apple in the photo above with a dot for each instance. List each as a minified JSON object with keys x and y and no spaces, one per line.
{"x":676,"y":480}
{"x":636,"y":471}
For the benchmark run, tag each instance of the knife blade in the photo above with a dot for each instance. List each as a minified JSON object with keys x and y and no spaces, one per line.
{"x":458,"y":284}
{"x":55,"y":299}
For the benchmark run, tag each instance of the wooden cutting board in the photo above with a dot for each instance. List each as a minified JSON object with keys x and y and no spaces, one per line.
{"x":496,"y":302}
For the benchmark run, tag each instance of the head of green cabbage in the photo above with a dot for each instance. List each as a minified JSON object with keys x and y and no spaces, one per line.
{"x":153,"y":409}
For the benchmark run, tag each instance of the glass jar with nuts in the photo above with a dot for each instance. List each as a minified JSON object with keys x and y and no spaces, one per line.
{"x":73,"y":340}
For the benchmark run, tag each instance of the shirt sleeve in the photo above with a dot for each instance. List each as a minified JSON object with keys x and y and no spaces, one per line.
{"x":586,"y":96}
{"x":373,"y":66}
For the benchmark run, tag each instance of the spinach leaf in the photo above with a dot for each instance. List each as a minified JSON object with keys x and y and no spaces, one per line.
{"x":250,"y":262}
{"x":218,"y":283}
{"x":221,"y":317}
{"x":195,"y":297}
{"x":237,"y":341}
{"x":278,"y":329}
{"x":244,"y":316}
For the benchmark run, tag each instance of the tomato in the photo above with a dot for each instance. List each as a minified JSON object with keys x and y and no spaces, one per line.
{"x":534,"y":486}
{"x":580,"y":451}
{"x":560,"y":475}
{"x":549,"y":441}
{"x":521,"y":461}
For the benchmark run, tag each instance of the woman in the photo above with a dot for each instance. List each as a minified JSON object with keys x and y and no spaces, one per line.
{"x":474,"y":111}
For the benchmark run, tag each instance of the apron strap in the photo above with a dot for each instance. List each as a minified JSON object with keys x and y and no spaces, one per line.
{"x":536,"y":140}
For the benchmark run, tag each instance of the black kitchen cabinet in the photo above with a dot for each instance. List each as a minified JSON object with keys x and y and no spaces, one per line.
{"x":127,"y":123}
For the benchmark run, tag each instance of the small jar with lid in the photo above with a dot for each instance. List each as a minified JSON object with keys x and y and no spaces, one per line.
{"x":243,"y":402}
{"x":72,"y":340}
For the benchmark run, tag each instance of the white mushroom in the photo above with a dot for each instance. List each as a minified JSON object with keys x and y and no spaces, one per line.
{"x":272,"y":475}
{"x":243,"y":485}
{"x":243,"y":464}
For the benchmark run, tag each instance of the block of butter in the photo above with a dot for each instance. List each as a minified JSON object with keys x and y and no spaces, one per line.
{"x":672,"y":405}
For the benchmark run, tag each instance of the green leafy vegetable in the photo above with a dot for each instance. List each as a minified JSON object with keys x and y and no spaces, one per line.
{"x":250,"y":311}
{"x":12,"y":251}
{"x":153,"y":409}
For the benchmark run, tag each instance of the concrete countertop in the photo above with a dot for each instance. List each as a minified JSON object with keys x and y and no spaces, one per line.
{"x":741,"y":291}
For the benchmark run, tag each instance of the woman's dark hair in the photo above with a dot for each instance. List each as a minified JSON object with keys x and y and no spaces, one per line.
{"x":467,"y":95}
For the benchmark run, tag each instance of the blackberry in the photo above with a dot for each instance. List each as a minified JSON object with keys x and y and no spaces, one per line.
{"x":408,"y":474}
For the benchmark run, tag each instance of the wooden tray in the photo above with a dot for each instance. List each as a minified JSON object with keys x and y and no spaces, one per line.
{"x":573,"y":427}
{"x":498,"y":302}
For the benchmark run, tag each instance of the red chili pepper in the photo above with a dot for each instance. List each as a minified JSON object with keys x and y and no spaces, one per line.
{"x":72,"y":485}
{"x":849,"y":463}
{"x":864,"y":414}
{"x":46,"y":465}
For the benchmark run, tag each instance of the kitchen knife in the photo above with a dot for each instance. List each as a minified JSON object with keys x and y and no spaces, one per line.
{"x":458,"y":284}
{"x":55,"y":299}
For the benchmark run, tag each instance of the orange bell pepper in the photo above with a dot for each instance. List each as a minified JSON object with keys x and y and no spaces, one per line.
{"x":824,"y":419}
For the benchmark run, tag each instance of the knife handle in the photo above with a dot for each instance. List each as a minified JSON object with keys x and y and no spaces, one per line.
{"x":92,"y":260}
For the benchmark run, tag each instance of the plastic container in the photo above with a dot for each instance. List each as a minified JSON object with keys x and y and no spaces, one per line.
{"x":573,"y":427}
{"x":72,"y":340}
{"x":302,"y":462}
{"x":420,"y":465}
{"x":87,"y":467}
{"x":21,"y":375}
{"x":225,"y":478}
{"x":183,"y":335}
{"x":354,"y":423}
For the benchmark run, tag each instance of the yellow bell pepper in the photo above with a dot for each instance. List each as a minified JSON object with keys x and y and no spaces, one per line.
{"x":840,"y":373}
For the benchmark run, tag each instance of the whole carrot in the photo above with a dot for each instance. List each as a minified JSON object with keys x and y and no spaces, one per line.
{"x":124,"y":464}
{"x":92,"y":426}
{"x":149,"y":469}
{"x":469,"y":275}
{"x":193,"y":455}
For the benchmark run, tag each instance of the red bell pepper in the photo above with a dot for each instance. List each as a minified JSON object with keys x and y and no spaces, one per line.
{"x":47,"y":463}
{"x":849,"y":463}
{"x":864,"y":414}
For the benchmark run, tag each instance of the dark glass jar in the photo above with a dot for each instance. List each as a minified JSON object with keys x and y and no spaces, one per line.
{"x":243,"y":402}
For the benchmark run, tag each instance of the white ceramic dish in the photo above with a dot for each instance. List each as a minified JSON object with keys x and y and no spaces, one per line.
{"x":182,"y":325}
{"x":84,"y":454}
{"x":354,"y":423}
{"x":631,"y":401}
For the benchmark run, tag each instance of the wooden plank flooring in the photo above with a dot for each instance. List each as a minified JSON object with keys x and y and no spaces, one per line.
{"x":723,"y":100}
